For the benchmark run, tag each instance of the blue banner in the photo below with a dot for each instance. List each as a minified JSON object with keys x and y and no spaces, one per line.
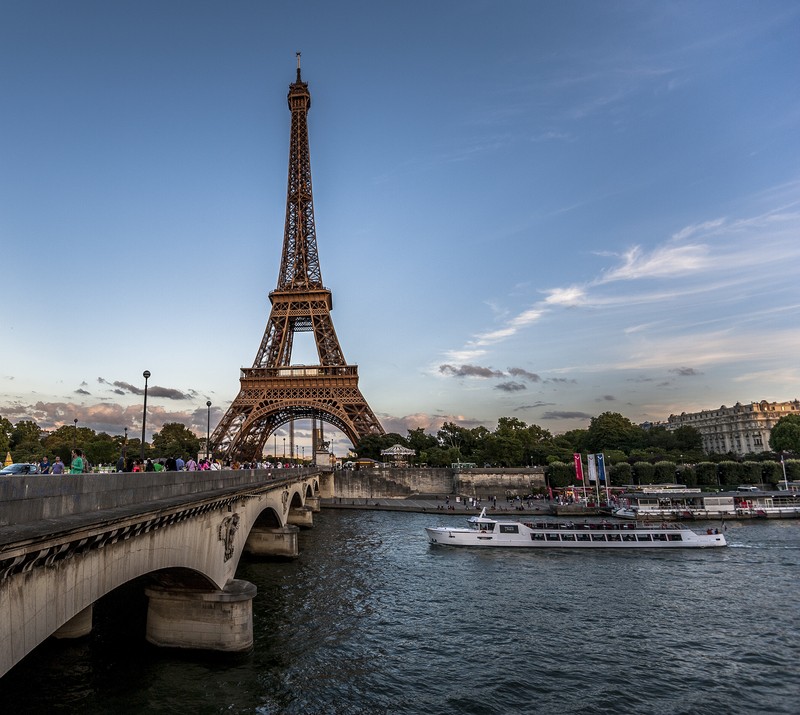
{"x":601,"y":467}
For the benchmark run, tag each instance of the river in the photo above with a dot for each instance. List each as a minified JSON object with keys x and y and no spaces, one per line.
{"x":370,"y":619}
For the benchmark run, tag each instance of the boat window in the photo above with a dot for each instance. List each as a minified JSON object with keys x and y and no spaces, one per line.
{"x":659,"y":537}
{"x":629,"y":537}
{"x":598,"y":537}
{"x":643,"y":537}
{"x":614,"y":537}
{"x":675,"y":537}
{"x":509,"y":529}
{"x":553,"y":537}
{"x":537,"y":537}
{"x":582,"y":537}
{"x":567,"y":537}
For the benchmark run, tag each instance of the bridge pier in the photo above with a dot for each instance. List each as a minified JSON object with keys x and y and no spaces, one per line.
{"x":314,"y":503}
{"x":301,"y":516}
{"x":78,"y":626}
{"x":282,"y":541}
{"x":202,"y":620}
{"x":327,"y":485}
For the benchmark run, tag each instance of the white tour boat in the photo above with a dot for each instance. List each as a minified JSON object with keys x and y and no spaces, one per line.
{"x":485,"y":531}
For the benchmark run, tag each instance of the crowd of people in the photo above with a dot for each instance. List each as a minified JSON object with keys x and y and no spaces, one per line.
{"x":79,"y":464}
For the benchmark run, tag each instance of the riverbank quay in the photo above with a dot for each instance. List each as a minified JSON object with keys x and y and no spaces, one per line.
{"x":442,"y":506}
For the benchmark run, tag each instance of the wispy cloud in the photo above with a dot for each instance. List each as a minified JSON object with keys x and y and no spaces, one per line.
{"x":715,"y":261}
{"x":565,"y":415}
{"x":123,"y":388}
{"x":469,"y":371}
{"x":510,"y":386}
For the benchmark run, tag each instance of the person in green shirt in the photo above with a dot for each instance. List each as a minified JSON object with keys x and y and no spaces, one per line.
{"x":76,"y":467}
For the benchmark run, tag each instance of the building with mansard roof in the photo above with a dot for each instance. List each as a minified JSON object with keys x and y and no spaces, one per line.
{"x":740,"y":429}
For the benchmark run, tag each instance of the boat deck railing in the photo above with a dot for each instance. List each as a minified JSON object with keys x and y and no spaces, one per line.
{"x":602,"y":526}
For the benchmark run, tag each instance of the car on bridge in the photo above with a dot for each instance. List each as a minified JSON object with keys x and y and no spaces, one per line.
{"x":19,"y":469}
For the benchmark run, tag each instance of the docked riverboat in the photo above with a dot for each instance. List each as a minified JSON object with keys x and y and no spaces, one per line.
{"x":688,"y":504}
{"x":485,"y":531}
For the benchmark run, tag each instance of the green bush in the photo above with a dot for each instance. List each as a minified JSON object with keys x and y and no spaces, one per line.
{"x":686,"y":474}
{"x":771,"y":473}
{"x":560,"y":474}
{"x":730,"y":473}
{"x":644,"y":472}
{"x":621,"y":474}
{"x":751,"y":473}
{"x":706,"y":473}
{"x":792,"y":470}
{"x":665,"y":472}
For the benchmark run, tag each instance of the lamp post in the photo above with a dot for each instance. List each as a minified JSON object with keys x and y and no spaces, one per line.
{"x":146,"y":376}
{"x":208,"y":425}
{"x":124,"y":449}
{"x":284,"y":449}
{"x":75,"y":434}
{"x":783,"y":467}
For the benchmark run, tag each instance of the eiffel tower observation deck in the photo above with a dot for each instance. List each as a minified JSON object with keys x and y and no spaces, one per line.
{"x":273,"y":392}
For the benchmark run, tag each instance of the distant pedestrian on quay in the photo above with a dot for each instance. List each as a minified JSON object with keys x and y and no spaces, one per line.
{"x":44,"y":466}
{"x":58,"y":466}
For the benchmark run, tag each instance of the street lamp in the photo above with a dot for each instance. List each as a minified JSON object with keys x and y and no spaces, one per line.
{"x":284,"y":449}
{"x":208,"y":426}
{"x":785,"y":480}
{"x":75,"y":434}
{"x":125,"y":449}
{"x":146,"y":376}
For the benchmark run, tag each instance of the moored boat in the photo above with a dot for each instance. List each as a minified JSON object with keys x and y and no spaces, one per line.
{"x":485,"y":531}
{"x":649,"y":504}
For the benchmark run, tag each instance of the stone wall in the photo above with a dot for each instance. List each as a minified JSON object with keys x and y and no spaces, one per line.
{"x":391,"y":483}
{"x":497,"y":482}
{"x":400,"y":482}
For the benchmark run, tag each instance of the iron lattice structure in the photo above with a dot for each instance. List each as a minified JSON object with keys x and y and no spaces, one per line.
{"x":274,"y":392}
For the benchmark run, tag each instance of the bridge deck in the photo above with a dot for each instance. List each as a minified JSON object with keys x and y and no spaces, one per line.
{"x":36,"y":511}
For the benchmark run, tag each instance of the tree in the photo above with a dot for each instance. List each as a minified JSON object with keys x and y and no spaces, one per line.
{"x":175,"y":440}
{"x":612,"y":430}
{"x":371,"y":445}
{"x":103,"y":449}
{"x":6,"y":428}
{"x":688,"y":439}
{"x":785,"y":435}
{"x":575,"y":440}
{"x":419,"y":440}
{"x":25,"y":441}
{"x":458,"y":439}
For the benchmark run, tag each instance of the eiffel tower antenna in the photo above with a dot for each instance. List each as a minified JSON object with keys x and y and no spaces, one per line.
{"x":273,"y":391}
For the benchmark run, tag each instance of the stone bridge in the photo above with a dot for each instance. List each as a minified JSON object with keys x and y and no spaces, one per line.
{"x":66,"y":541}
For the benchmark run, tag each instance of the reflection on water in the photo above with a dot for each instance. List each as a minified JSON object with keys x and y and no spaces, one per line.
{"x":371,"y":619}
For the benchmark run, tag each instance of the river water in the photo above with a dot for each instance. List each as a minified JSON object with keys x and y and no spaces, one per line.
{"x":371,"y":619}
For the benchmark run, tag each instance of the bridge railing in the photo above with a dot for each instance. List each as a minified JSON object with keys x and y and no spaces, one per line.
{"x":28,"y":499}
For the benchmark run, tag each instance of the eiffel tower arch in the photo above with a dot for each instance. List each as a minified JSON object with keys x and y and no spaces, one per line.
{"x":273,"y":391}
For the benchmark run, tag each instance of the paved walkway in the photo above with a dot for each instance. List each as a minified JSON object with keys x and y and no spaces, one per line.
{"x":541,"y":508}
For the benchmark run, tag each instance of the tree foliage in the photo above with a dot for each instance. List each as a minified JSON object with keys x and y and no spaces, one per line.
{"x":175,"y":440}
{"x":785,"y":435}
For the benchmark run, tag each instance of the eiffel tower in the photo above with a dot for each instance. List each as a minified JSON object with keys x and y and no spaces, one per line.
{"x":274,"y":392}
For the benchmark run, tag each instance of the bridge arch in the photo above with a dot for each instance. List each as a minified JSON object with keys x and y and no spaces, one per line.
{"x":190,"y":551}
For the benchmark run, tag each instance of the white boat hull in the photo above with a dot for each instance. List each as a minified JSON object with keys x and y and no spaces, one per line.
{"x":488,"y":533}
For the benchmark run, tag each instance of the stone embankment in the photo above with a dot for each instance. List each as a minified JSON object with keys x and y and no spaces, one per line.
{"x":410,"y":483}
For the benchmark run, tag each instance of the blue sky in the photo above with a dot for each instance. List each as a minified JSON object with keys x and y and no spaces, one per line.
{"x":529,"y":209}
